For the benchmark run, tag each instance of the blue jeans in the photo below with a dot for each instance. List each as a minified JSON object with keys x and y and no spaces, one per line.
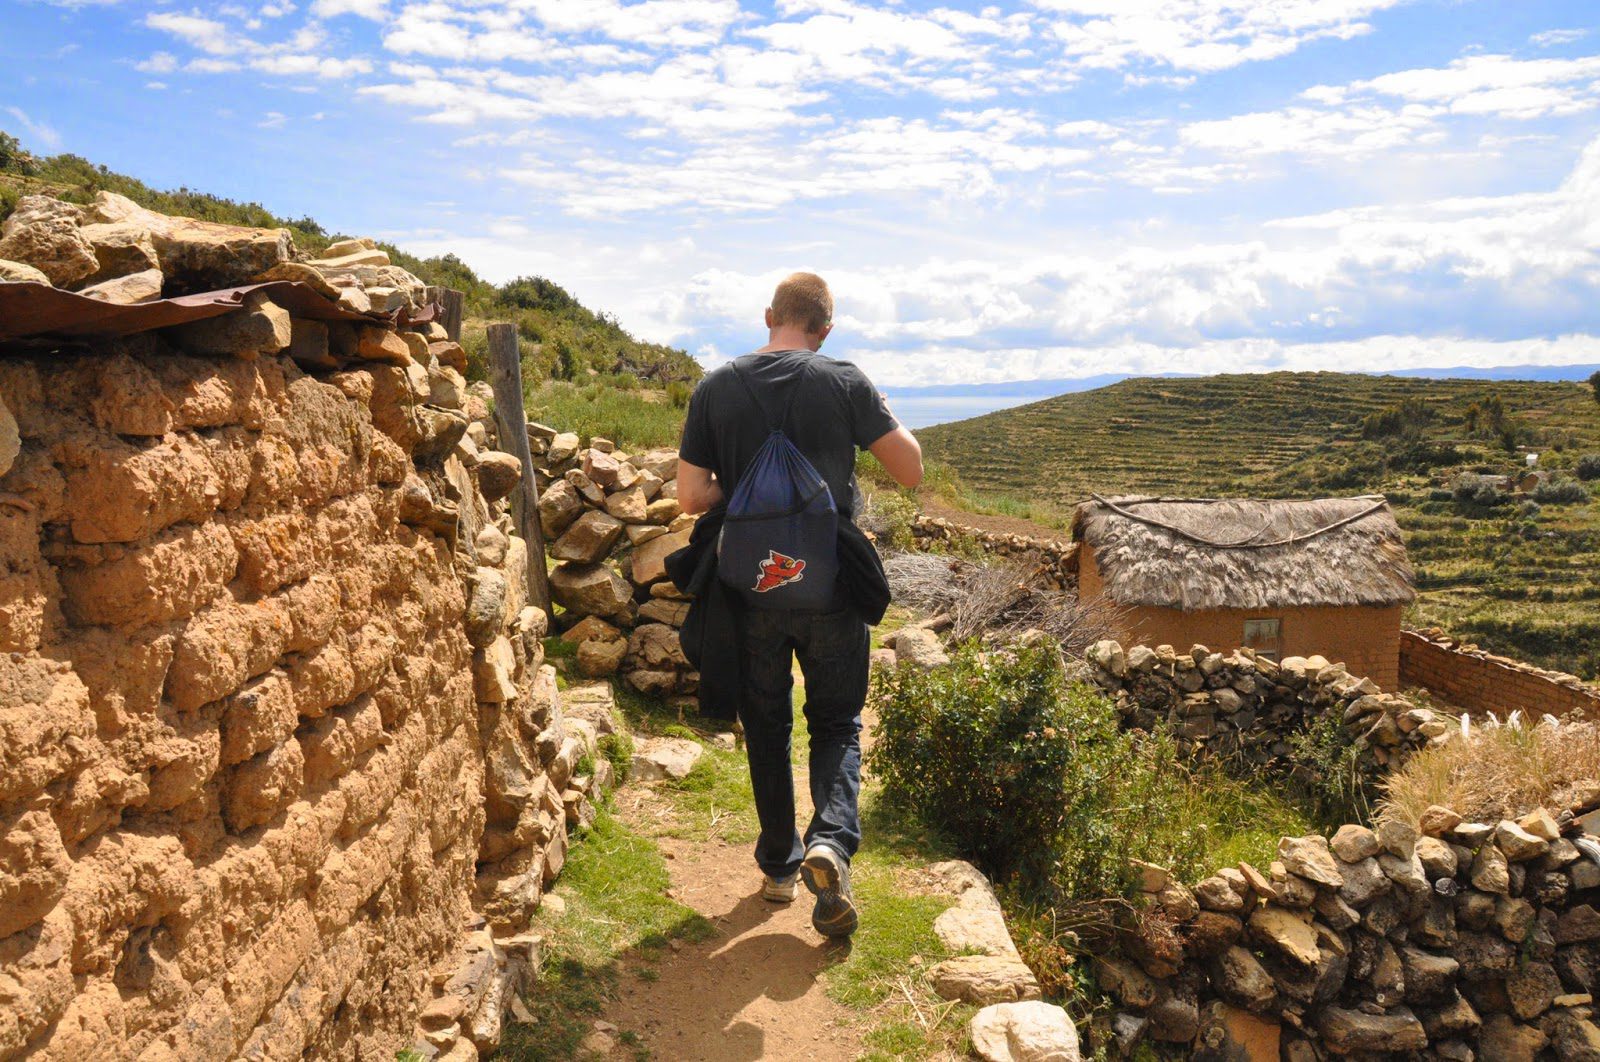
{"x":832,"y":648}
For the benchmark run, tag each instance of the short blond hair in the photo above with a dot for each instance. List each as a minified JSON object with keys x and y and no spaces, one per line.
{"x":803,"y":300}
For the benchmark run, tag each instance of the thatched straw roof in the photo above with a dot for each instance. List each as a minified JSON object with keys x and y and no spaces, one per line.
{"x":1197,"y":553}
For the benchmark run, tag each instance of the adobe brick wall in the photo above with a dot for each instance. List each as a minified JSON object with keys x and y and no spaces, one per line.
{"x":1363,"y":638}
{"x":1481,"y":682}
{"x":250,"y":742}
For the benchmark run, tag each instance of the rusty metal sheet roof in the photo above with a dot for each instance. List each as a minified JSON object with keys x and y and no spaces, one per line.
{"x":31,"y":311}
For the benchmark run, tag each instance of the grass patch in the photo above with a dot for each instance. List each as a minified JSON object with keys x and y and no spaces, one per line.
{"x":618,"y":915}
{"x":715,"y":800}
{"x":634,"y":419}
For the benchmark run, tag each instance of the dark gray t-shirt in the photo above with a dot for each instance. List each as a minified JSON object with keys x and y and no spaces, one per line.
{"x":836,"y":410}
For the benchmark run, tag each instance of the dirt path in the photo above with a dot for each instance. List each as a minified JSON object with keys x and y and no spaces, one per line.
{"x":1005,"y":525}
{"x":754,"y":989}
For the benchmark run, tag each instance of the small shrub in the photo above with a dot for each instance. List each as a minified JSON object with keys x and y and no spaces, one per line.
{"x":678,"y":394}
{"x":887,"y":515}
{"x":1328,"y":769}
{"x":1474,"y":493}
{"x":1560,"y":492}
{"x":618,"y":748}
{"x":1033,"y":778}
{"x":1407,"y":416}
{"x":1588,"y":467}
{"x":997,"y":753}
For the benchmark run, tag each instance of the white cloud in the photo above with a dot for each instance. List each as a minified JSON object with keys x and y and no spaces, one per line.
{"x":1199,"y":35}
{"x":1551,"y":38}
{"x":1488,"y":85}
{"x":41,"y":133}
{"x":206,"y":34}
{"x":376,"y":10}
{"x":319,"y":66}
{"x":272,"y":120}
{"x":1356,"y":131}
{"x":674,"y":23}
{"x":1406,"y":108}
{"x":1370,"y":287}
{"x":159,"y":63}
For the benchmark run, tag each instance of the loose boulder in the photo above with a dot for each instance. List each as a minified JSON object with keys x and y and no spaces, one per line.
{"x":1031,"y":1031}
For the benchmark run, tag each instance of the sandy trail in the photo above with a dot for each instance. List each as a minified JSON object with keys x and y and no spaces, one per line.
{"x":754,"y":989}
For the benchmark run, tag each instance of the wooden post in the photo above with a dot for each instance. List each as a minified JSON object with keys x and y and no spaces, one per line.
{"x":452,"y":303}
{"x":505,"y":376}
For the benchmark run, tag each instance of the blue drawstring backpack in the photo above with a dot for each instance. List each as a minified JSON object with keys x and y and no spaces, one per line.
{"x":779,"y":546}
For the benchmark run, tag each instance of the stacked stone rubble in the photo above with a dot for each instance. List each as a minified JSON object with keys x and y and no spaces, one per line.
{"x":1457,"y":941}
{"x":274,"y":715}
{"x":117,"y":251}
{"x":610,"y":520}
{"x":1248,"y":708}
{"x":1056,"y":557}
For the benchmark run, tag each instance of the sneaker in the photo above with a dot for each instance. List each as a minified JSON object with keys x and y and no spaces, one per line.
{"x":827,"y":875}
{"x":780,"y":890}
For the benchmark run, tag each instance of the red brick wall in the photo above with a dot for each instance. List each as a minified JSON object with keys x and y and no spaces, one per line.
{"x":1481,"y":682}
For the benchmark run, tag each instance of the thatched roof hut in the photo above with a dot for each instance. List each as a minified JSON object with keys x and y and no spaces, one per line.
{"x":1195,"y":554}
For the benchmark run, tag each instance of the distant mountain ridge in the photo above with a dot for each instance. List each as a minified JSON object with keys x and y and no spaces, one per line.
{"x":921,"y":407}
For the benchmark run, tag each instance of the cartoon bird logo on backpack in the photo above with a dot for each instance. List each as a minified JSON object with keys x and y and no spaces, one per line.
{"x":778,"y":570}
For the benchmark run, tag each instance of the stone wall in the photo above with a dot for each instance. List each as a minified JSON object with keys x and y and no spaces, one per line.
{"x":610,"y":519}
{"x":1464,"y":941}
{"x":1057,"y":557}
{"x":275,"y":728}
{"x":1461,"y":941}
{"x":1482,"y":683}
{"x":1247,"y":708}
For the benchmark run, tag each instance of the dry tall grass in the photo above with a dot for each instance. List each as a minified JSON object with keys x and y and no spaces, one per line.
{"x":1493,"y":771}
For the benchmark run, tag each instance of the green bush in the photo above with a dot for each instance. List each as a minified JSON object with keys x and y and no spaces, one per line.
{"x":888,"y":515}
{"x":998,"y":754}
{"x":1032,"y":778}
{"x":1475,"y":493}
{"x":1588,"y":467}
{"x":1560,"y":492}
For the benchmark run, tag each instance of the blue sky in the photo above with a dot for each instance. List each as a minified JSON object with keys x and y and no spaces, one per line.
{"x":1038,"y":189}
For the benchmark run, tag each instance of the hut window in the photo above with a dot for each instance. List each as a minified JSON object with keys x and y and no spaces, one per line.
{"x":1265,"y":636}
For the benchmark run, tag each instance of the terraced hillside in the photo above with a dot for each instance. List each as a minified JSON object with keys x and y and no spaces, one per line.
{"x":1517,"y":573}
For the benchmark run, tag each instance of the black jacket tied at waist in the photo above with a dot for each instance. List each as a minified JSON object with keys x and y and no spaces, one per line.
{"x":711,"y":633}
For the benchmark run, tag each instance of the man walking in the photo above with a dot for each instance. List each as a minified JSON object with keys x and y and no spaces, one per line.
{"x":831,"y":409}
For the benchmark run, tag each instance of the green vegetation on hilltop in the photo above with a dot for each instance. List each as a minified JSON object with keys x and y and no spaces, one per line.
{"x":1518,"y":574}
{"x":561,"y":338}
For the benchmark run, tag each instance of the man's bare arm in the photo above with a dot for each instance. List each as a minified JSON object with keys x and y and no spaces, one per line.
{"x":698,"y":489}
{"x":899,"y":453}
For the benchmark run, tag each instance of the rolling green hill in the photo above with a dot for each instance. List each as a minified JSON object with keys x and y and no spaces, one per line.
{"x":1518,"y":574}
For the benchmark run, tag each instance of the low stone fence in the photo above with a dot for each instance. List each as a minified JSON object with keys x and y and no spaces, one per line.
{"x":1480,"y":682}
{"x":611,"y":519}
{"x":1466,"y":940}
{"x":1057,"y":557}
{"x":1246,"y":707}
